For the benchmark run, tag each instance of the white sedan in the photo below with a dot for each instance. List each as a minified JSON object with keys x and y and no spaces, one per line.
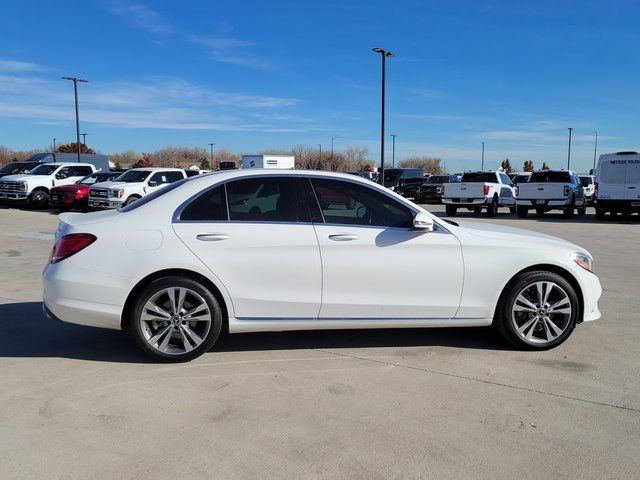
{"x":318,"y":250}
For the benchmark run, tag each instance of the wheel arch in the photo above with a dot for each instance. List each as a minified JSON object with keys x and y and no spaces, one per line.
{"x":547,"y":267}
{"x":125,"y":321}
{"x":40,"y":188}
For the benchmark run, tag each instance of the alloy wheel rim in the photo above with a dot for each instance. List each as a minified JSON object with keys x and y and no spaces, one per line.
{"x":541,"y":312}
{"x":175,"y":320}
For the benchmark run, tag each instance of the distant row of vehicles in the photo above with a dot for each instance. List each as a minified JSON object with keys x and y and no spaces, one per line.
{"x":615,"y":189}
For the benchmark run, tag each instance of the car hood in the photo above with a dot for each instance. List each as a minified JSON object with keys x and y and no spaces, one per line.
{"x":16,"y":178}
{"x":519,"y":235}
{"x":109,"y":184}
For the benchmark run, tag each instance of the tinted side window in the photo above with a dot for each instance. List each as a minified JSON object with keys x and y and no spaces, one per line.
{"x":209,"y":206}
{"x":82,"y":171}
{"x":174,"y":176}
{"x":268,"y":199}
{"x":351,"y":204}
{"x":505,"y":179}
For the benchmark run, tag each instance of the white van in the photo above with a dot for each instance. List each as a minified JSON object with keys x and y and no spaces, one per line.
{"x":618,"y":184}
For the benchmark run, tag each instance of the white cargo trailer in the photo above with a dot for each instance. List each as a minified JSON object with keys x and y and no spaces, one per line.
{"x":286,"y":162}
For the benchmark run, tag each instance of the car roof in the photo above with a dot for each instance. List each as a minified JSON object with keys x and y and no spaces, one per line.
{"x":156,"y":169}
{"x":60,"y":164}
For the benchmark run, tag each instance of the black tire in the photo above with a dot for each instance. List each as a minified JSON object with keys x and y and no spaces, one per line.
{"x":130,"y":200}
{"x":600,"y":214}
{"x":503,"y":321}
{"x":540,"y":211}
{"x":39,"y":199}
{"x":176,"y":281}
{"x":570,"y":210}
{"x":513,"y":210}
{"x":582,"y":211}
{"x":522,"y":211}
{"x":452,"y":210}
{"x":492,"y":208}
{"x":477,"y":210}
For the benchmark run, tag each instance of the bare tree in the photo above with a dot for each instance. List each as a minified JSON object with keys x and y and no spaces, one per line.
{"x":430,"y":165}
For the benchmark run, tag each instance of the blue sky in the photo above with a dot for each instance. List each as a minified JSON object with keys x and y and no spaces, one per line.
{"x":272,"y":74}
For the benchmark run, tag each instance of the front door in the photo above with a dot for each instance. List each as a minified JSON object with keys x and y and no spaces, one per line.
{"x":374,"y":265}
{"x":264,"y":250}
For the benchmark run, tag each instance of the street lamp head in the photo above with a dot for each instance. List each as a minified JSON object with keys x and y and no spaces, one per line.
{"x":378,"y":50}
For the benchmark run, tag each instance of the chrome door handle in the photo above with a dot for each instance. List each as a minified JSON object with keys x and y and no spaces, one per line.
{"x":343,"y":237}
{"x":212,"y":237}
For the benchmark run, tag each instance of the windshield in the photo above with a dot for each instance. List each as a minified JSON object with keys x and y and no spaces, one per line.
{"x":10,"y":168}
{"x":133,"y":176}
{"x":521,"y":179}
{"x":438,"y":179}
{"x":95,"y":178}
{"x":479,"y":177}
{"x":44,"y":169}
{"x":391,"y":176}
{"x":586,"y":181}
{"x":547,"y":176}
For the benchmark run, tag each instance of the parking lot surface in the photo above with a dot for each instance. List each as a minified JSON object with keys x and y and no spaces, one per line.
{"x":79,"y":402}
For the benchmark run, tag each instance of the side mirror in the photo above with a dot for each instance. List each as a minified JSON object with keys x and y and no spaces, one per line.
{"x":153,"y":183}
{"x":423,"y":222}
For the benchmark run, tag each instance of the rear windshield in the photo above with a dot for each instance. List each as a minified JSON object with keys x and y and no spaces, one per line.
{"x":521,"y":178}
{"x":438,"y":179}
{"x":586,"y":181}
{"x":479,"y":177}
{"x":550,"y":177}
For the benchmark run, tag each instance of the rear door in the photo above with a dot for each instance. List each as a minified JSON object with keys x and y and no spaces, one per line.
{"x":263,"y":248}
{"x":632,"y":180}
{"x":611,"y":180}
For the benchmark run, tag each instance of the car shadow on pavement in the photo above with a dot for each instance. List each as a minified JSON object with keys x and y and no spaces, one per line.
{"x":33,"y":335}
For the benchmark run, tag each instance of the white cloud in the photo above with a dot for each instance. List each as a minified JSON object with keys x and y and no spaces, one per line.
{"x":142,"y":17}
{"x":232,"y":50}
{"x":14,"y":66}
{"x":157,"y":103}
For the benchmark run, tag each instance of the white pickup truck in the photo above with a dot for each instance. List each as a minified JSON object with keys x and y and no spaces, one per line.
{"x":33,"y":187}
{"x":131,"y":186}
{"x":551,"y":190}
{"x":478,"y":190}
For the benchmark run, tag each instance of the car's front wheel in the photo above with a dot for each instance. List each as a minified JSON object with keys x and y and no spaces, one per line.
{"x":176,"y":319}
{"x":537,"y":311}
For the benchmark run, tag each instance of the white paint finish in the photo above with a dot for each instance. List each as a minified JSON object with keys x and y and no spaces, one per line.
{"x":271,"y":275}
{"x":270,"y":270}
{"x":389,"y":273}
{"x":143,"y":240}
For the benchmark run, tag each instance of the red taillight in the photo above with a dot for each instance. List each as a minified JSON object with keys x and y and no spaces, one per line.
{"x":70,"y":245}
{"x":486,"y":189}
{"x":566,"y":191}
{"x":517,"y":191}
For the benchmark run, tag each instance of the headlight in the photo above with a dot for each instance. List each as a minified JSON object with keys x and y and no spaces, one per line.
{"x":584,"y":260}
{"x":23,"y":186}
{"x":117,"y":192}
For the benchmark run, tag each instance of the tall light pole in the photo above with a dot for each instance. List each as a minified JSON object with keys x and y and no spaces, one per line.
{"x":569,"y":150}
{"x":393,"y":150}
{"x":54,"y":144}
{"x":84,"y":138}
{"x":332,"y":139}
{"x":211,"y":147}
{"x":384,"y":54}
{"x":320,"y":162}
{"x":482,"y":157}
{"x":595,"y":151}
{"x":75,"y":81}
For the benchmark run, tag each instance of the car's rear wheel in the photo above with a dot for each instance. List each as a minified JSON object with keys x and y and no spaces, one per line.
{"x":176,"y":319}
{"x":570,"y":210}
{"x":451,"y":210}
{"x":538,"y":310}
{"x":600,"y":214}
{"x":522,"y":211}
{"x":492,"y":208}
